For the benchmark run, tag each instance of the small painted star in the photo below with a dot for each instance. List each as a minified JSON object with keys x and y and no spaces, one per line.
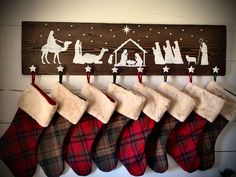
{"x":32,"y":68}
{"x":191,"y":69}
{"x":126,"y":29}
{"x":114,"y":69}
{"x":88,"y":69}
{"x":140,"y":69}
{"x":60,"y":68}
{"x":215,"y":69}
{"x":166,"y":69}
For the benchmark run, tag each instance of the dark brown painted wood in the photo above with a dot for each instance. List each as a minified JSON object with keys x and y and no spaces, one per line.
{"x":95,"y":36}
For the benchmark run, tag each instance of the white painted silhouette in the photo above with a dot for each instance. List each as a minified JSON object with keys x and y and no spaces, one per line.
{"x":173,"y":54}
{"x":177,"y":55}
{"x":158,"y":58}
{"x":51,"y":40}
{"x":199,"y":52}
{"x":78,"y":53}
{"x":190,"y":59}
{"x":169,"y":57}
{"x":124,"y":60}
{"x":204,"y":58}
{"x":87,"y":58}
{"x":138,"y":59}
{"x":53,"y":47}
{"x":110,"y":60}
{"x":131,"y":62}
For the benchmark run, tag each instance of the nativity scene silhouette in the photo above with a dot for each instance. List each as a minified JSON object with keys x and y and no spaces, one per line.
{"x":124,"y":60}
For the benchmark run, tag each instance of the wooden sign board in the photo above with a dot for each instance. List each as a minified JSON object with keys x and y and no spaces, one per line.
{"x":125,"y":46}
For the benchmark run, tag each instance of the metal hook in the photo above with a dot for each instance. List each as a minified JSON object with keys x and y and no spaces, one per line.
{"x":33,"y":73}
{"x":60,"y":71}
{"x":215,"y":72}
{"x":114,"y":73}
{"x":165,"y":71}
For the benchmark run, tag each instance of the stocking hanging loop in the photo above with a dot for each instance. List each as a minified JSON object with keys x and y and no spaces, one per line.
{"x":190,"y":77}
{"x":190,"y":73}
{"x":33,"y":78}
{"x":140,"y":74}
{"x":88,"y":71}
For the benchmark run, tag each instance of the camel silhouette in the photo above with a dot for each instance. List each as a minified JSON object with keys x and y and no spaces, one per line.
{"x":56,"y":49}
{"x":88,"y":58}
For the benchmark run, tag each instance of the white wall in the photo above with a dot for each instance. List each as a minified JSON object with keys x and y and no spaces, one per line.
{"x":215,"y":12}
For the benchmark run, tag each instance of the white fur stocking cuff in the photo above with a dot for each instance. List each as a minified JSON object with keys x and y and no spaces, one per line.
{"x":155,"y":105}
{"x":128,"y":103}
{"x":181,"y":104}
{"x":70,"y":106}
{"x":229,"y":108}
{"x":208,"y":105}
{"x":38,"y":105}
{"x":100,"y":105}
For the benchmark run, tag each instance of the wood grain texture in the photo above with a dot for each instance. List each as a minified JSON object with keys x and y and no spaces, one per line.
{"x":140,"y":38}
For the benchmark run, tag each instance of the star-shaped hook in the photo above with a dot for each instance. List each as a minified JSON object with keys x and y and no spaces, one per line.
{"x":60,"y":68}
{"x":215,"y":69}
{"x":191,"y":69}
{"x":88,"y":69}
{"x":114,"y":69}
{"x":166,"y":69}
{"x":32,"y":68}
{"x":140,"y":69}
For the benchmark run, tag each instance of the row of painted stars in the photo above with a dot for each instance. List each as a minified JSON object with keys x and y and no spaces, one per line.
{"x":115,"y":69}
{"x":126,"y":29}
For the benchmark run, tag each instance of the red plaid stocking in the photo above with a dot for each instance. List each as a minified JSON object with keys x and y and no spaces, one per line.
{"x":183,"y":140}
{"x":78,"y":144}
{"x":206,"y":145}
{"x":77,"y":147}
{"x":105,"y":147}
{"x":19,"y":142}
{"x":156,"y":143}
{"x":70,"y":109}
{"x":131,"y":145}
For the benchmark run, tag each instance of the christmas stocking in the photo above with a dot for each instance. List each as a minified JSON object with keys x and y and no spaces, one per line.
{"x":19,"y":142}
{"x":105,"y":147}
{"x":70,"y":110}
{"x":207,"y":141}
{"x":183,"y":140}
{"x":131,"y":144}
{"x":77,"y":147}
{"x":180,"y":107}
